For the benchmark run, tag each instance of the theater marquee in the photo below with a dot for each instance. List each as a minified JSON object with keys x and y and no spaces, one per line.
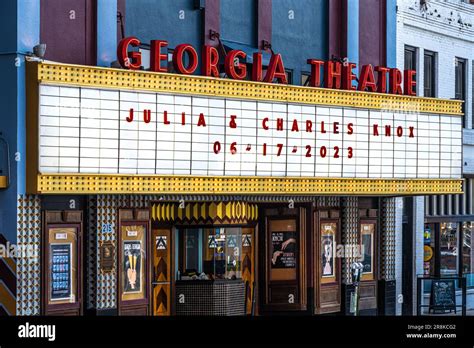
{"x":95,"y":130}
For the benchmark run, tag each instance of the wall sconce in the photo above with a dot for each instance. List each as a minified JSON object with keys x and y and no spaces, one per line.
{"x":5,"y":179}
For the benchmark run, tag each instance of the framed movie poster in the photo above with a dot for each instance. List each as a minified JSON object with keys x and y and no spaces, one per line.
{"x":133,"y":279}
{"x":283,"y":250}
{"x":328,"y":251}
{"x":132,"y":266}
{"x":367,"y":236}
{"x":62,"y":273}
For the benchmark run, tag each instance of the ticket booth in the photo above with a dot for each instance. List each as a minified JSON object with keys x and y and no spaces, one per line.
{"x":203,"y":258}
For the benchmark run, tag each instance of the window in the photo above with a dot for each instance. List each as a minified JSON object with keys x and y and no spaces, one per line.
{"x":289,"y":76}
{"x":448,"y":248}
{"x":305,"y":78}
{"x":429,"y":74}
{"x":210,"y":253}
{"x":460,"y":83}
{"x":468,"y":252}
{"x":410,"y":58}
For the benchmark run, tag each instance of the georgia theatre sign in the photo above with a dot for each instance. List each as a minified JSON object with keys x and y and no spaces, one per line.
{"x":100,"y":130}
{"x":336,"y":74}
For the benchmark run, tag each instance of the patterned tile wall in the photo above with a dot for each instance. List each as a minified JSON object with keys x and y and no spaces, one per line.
{"x":350,"y":234}
{"x":387,"y":236}
{"x":28,"y":266}
{"x":91,"y":251}
{"x":328,"y":201}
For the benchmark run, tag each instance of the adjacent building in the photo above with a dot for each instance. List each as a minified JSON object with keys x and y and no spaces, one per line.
{"x":436,"y":38}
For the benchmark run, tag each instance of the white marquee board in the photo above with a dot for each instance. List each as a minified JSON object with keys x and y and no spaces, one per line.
{"x":85,"y":130}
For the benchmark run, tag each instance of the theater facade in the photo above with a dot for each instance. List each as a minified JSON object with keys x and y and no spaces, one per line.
{"x":162,"y":194}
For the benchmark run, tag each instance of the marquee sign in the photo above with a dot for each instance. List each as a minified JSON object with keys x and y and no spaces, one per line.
{"x":159,"y":137}
{"x":85,"y":130}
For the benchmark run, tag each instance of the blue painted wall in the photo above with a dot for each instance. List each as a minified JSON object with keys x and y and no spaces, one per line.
{"x":391,"y":23}
{"x":305,"y":36}
{"x":106,"y":26}
{"x":353,"y":33}
{"x":239,"y":21}
{"x":21,"y":34}
{"x":152,"y":20}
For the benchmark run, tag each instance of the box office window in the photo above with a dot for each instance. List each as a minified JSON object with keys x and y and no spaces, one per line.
{"x":210,"y":253}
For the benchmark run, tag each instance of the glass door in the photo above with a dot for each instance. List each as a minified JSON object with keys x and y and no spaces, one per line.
{"x":448,"y":248}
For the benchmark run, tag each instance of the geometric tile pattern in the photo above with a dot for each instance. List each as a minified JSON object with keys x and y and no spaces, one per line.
{"x":28,"y":266}
{"x":387,"y":269}
{"x":350,"y":234}
{"x":328,"y":201}
{"x":91,"y":251}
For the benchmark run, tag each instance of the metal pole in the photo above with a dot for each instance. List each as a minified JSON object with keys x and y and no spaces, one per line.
{"x":418,"y":297}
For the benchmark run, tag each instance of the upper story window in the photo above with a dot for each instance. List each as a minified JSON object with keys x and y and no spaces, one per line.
{"x":410,"y":58}
{"x":305,"y":76}
{"x":429,"y":74}
{"x":460,"y":83}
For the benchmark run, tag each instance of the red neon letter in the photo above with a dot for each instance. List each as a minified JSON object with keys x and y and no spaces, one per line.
{"x":381,"y":78}
{"x":235,"y":71}
{"x":130,"y":60}
{"x":367,"y":79}
{"x":332,"y":74}
{"x":395,"y":81}
{"x":257,"y":67}
{"x":211,"y":59}
{"x":178,"y":56}
{"x":349,"y":76}
{"x":408,"y":82}
{"x":315,"y":78}
{"x":276,"y":70}
{"x":156,"y":56}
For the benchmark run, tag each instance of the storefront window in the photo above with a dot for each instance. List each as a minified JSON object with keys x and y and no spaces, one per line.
{"x":429,"y":248}
{"x":468,"y":253}
{"x":449,"y":249}
{"x":210,"y":253}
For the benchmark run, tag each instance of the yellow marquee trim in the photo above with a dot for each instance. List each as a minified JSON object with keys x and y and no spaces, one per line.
{"x":242,"y":185}
{"x":97,"y":77}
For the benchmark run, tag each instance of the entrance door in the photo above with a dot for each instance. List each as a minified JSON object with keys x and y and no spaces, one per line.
{"x":62,"y":260}
{"x":285,"y":288}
